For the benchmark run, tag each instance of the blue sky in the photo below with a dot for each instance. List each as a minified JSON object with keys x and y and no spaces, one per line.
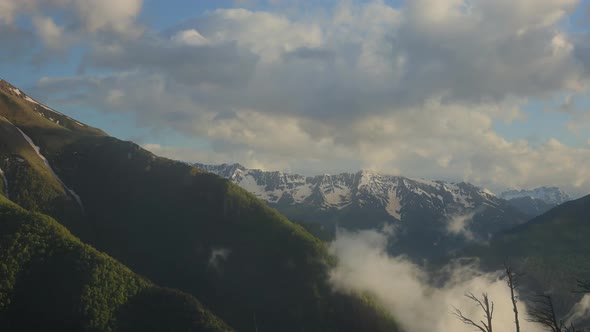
{"x":492,"y":92}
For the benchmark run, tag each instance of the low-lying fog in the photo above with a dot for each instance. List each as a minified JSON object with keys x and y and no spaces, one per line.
{"x":404,"y":289}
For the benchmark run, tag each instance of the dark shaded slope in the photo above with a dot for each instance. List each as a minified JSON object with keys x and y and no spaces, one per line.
{"x":530,"y":206}
{"x":27,"y":179}
{"x":552,"y":250}
{"x":50,"y":281}
{"x":195,"y":231}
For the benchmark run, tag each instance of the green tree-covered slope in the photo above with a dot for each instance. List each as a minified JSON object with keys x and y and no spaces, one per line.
{"x":51,"y":281}
{"x":197,"y":232}
{"x":185,"y":229}
{"x":32,"y":183}
{"x":552,"y":251}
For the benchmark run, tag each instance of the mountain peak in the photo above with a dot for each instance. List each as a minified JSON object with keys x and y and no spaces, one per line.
{"x":225,"y":170}
{"x":28,"y":112}
{"x":10,"y":89}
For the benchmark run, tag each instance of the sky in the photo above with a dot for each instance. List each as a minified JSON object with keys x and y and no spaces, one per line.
{"x":492,"y":92}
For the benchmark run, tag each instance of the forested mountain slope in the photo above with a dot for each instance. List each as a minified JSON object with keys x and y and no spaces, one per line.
{"x":552,"y":251}
{"x":51,"y":281}
{"x":184,"y":228}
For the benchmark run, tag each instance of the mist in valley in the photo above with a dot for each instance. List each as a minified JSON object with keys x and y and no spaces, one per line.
{"x":405,"y":289}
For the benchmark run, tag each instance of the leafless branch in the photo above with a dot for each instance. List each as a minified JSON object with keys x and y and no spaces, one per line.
{"x":457,"y":313}
{"x":486,"y":306}
{"x":542,"y":311}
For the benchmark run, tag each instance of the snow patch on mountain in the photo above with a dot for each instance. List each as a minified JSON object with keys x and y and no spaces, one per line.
{"x":38,"y":152}
{"x":394,"y":204}
{"x":251,"y":184}
{"x":335,"y":192}
{"x":302,"y":192}
{"x":18,"y":93}
{"x":459,"y":196}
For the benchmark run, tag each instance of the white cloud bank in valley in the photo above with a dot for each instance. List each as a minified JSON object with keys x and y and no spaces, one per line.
{"x":403,"y":288}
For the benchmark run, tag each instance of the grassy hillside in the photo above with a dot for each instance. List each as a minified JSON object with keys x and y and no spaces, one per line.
{"x":50,"y":281}
{"x":32,"y":183}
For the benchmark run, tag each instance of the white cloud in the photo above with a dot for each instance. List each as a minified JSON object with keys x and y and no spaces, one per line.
{"x":83,"y":18}
{"x":404,"y":290}
{"x":415,"y":89}
{"x":266,"y":34}
{"x":459,"y":225}
{"x":51,"y":34}
{"x":115,"y":15}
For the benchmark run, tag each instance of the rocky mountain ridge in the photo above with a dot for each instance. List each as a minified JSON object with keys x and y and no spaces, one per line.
{"x":426,"y":218}
{"x":362,"y":188}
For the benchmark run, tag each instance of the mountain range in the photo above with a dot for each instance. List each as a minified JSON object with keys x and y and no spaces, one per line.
{"x":427,"y":217}
{"x":536,"y":201}
{"x":438,"y":221}
{"x":99,"y":234}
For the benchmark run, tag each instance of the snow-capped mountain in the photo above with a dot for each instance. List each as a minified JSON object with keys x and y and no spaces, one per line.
{"x":424,"y":213}
{"x":391,"y":193}
{"x":536,"y":201}
{"x":549,"y":195}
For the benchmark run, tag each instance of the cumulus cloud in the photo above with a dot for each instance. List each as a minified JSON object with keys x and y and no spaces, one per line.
{"x":415,"y":89}
{"x":115,"y":15}
{"x":266,"y":34}
{"x":79,"y":20}
{"x":405,"y":291}
{"x":51,"y":34}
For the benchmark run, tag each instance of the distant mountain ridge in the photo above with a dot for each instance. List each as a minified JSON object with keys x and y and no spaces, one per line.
{"x":551,"y":250}
{"x":550,"y":195}
{"x":429,"y":217}
{"x":536,"y":201}
{"x":361,"y":188}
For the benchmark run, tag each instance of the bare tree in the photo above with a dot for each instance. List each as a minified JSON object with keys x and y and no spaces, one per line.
{"x":486,"y":306}
{"x":542,"y":311}
{"x":584,"y":287}
{"x":512,"y":284}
